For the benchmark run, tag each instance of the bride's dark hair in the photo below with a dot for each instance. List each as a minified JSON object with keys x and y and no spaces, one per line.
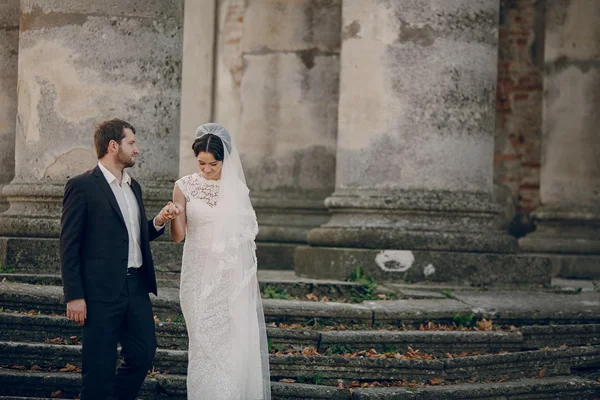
{"x":211,"y":144}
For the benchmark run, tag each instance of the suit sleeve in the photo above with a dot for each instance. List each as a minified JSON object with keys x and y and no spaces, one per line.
{"x":72,"y":226}
{"x":153,"y":233}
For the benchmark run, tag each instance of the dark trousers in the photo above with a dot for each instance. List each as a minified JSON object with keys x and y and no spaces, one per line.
{"x":127,"y":320}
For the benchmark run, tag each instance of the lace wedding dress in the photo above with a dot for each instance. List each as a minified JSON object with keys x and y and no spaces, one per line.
{"x":220,"y":300}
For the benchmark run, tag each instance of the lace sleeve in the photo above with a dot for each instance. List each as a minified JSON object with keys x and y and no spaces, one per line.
{"x":184,"y":185}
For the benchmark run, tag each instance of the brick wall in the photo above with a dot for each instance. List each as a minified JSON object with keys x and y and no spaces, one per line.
{"x":519,"y":106}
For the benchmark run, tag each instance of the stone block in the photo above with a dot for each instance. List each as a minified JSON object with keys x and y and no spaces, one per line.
{"x":476,"y":269}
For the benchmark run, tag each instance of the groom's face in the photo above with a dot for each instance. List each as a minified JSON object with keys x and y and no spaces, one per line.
{"x":128,"y":149}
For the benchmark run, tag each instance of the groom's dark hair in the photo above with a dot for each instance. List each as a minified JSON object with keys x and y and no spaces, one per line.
{"x":211,"y":144}
{"x":109,"y":130}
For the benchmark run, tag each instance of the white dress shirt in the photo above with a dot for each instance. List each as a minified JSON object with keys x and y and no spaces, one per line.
{"x":131,"y":214}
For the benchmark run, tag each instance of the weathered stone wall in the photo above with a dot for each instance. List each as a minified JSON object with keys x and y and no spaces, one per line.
{"x":9,"y":43}
{"x":568,"y":219}
{"x":519,"y":106}
{"x":197,"y":76}
{"x":229,"y":64}
{"x":571,"y":151}
{"x":288,"y":125}
{"x":82,"y":62}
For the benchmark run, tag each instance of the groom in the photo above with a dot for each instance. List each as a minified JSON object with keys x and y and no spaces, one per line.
{"x":107,"y":267}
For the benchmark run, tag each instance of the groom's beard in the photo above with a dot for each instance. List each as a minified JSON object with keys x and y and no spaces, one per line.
{"x":124,"y":160}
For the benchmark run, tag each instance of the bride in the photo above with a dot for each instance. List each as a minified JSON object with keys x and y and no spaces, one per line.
{"x":220,"y":299}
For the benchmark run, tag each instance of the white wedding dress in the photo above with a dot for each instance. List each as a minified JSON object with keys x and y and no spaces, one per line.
{"x":221,"y":303}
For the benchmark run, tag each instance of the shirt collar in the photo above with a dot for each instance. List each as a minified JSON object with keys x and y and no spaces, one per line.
{"x":110,"y":178}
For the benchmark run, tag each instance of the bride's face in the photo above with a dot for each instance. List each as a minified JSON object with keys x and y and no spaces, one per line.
{"x":209,"y":167}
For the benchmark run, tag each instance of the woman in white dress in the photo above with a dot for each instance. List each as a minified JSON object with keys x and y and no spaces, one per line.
{"x":220,"y":298}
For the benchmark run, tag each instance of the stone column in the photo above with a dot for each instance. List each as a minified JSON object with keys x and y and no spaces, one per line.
{"x":9,"y":49}
{"x":288,"y":125}
{"x":568,"y":221}
{"x":197,"y":76}
{"x":413,"y":195}
{"x":81,"y":62}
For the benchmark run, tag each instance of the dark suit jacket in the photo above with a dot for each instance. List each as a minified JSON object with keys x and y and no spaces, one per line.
{"x":94,"y":244}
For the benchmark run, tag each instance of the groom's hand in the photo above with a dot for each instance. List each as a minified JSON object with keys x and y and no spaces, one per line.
{"x":168,"y":212}
{"x":77,"y":311}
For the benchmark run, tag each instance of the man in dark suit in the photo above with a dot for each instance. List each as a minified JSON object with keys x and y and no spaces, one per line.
{"x":107,"y":267}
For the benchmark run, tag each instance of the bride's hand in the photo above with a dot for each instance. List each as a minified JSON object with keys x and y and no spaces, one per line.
{"x":178,"y":208}
{"x":170,"y":211}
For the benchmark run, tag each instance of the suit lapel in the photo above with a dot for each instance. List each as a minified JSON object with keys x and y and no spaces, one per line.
{"x":138,"y":195}
{"x":103,"y":184}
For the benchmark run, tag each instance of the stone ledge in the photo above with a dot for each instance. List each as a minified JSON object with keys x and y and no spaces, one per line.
{"x":433,"y":342}
{"x":474,"y":269}
{"x":37,"y":328}
{"x":40,"y":385}
{"x":502,"y":306}
{"x":332,"y":368}
{"x":537,"y":337}
{"x":40,"y":255}
{"x":557,"y":388}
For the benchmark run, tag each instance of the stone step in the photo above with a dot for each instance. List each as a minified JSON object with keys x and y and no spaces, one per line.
{"x":35,"y":385}
{"x":280,"y":282}
{"x":332,"y":369}
{"x":41,"y":255}
{"x":503,"y":307}
{"x":38,"y":328}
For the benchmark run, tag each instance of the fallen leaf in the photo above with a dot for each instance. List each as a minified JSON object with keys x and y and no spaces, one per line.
{"x":309,"y":351}
{"x":312,"y":297}
{"x":56,"y":395}
{"x":324,"y":299}
{"x":287,"y":380}
{"x":485,"y":325}
{"x":434,"y":381}
{"x":35,"y":368}
{"x":156,"y":319}
{"x":70,"y":368}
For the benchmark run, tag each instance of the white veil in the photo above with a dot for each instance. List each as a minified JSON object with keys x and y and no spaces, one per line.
{"x":233,"y":265}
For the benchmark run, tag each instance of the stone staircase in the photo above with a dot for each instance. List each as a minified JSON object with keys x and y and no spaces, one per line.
{"x":428,"y":342}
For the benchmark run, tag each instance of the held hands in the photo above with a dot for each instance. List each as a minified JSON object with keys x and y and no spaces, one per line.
{"x":169,"y":212}
{"x":77,"y":311}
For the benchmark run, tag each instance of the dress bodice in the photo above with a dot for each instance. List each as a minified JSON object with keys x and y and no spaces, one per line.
{"x":201,"y":196}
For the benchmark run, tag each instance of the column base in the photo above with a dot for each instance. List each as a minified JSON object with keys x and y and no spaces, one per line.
{"x":35,"y":208}
{"x":569,"y":238}
{"x":276,"y":256}
{"x":564,"y":231}
{"x":287,"y":220}
{"x":414,"y":219}
{"x":476,"y":269}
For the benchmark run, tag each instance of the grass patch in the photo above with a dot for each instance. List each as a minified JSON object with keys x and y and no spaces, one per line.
{"x":367,"y":289}
{"x":4,"y":269}
{"x":318,"y":379}
{"x":274,"y":292}
{"x":464,"y":321}
{"x":339,"y":349}
{"x":274,"y":348}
